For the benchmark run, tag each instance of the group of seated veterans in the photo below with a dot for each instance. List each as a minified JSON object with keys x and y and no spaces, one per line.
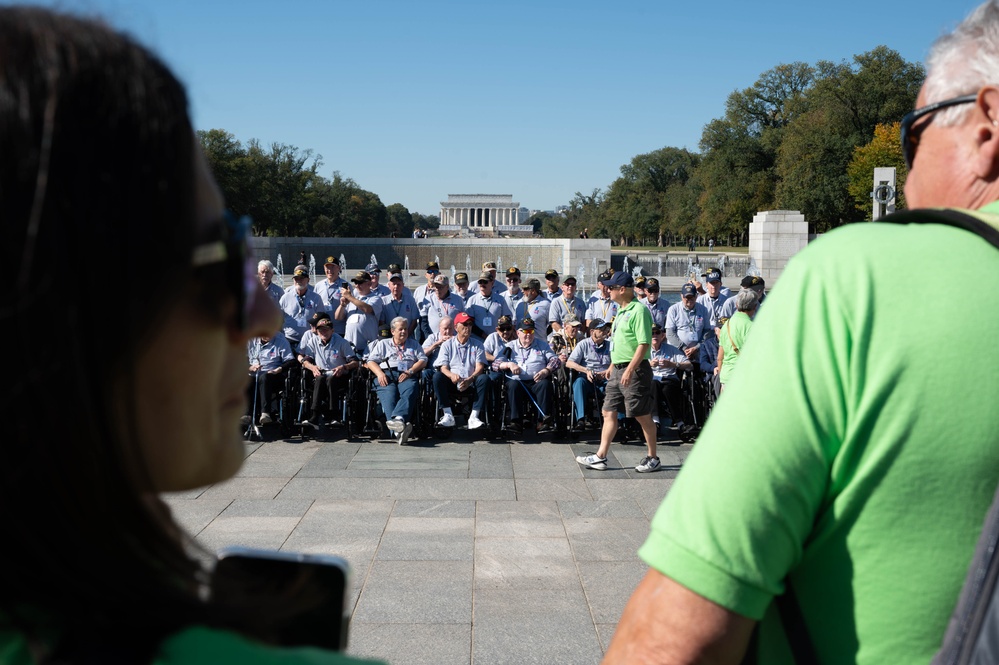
{"x":512,"y":356}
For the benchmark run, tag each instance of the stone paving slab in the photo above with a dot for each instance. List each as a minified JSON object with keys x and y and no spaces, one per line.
{"x":465,"y":552}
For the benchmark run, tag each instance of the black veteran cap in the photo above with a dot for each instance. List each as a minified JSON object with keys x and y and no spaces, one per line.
{"x":433,"y":267}
{"x":551,"y":274}
{"x":749,"y":281}
{"x":526,"y":323}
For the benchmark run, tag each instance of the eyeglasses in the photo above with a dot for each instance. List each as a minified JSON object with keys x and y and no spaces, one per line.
{"x":910,"y":137}
{"x":232,"y":252}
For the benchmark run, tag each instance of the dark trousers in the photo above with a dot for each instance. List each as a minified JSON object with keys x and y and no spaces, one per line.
{"x":267,"y":386}
{"x":669,"y":390}
{"x":516,"y":396}
{"x":447,"y":392}
{"x":330,"y":385}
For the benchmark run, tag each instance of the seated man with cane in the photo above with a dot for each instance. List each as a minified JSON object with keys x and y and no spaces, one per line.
{"x":462,"y":365}
{"x":330,"y":359}
{"x":530,"y":363}
{"x":591,"y":359}
{"x":396,"y":363}
{"x":270,"y":357}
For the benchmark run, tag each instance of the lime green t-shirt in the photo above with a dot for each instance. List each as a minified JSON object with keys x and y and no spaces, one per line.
{"x":733,"y":336}
{"x":854,"y":451}
{"x":632,"y":326}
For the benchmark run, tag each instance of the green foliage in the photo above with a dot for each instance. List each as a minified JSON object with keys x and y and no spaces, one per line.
{"x":281,"y":189}
{"x":884,"y":150}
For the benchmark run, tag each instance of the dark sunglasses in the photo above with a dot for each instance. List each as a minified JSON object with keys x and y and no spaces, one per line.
{"x":239,"y":268}
{"x":505,"y":328}
{"x":910,"y":137}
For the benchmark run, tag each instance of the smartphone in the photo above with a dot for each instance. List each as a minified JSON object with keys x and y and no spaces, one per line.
{"x":311,"y":589}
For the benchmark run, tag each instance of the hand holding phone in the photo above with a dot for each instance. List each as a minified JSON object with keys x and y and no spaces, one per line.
{"x":314,"y":587}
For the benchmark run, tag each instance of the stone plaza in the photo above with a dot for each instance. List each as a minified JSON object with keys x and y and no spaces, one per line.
{"x":463,"y":551}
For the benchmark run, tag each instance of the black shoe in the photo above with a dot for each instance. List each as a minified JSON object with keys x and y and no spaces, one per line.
{"x":515,"y":429}
{"x":546,"y":426}
{"x":580,"y":425}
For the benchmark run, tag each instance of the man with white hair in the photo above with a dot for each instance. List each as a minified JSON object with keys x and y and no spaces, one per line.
{"x":819,"y":477}
{"x":265,"y":273}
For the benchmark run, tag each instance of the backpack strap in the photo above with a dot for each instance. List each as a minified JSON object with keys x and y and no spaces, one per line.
{"x":948,"y":216}
{"x":973,"y":629}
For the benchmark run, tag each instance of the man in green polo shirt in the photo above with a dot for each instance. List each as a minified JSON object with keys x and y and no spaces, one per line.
{"x":629,"y":389}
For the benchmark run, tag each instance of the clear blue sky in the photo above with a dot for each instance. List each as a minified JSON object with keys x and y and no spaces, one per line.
{"x":419,"y":99}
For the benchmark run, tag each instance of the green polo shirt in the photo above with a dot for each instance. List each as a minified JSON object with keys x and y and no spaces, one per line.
{"x":632,"y":326}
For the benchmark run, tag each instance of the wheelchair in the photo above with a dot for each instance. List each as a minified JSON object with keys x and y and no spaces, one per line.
{"x":699,"y":395}
{"x":373,"y":425}
{"x":283,"y":398}
{"x":338,"y":410}
{"x":462,"y":404}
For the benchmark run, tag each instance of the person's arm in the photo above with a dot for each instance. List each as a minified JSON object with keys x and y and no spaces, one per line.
{"x":667,"y":624}
{"x":721,"y":356}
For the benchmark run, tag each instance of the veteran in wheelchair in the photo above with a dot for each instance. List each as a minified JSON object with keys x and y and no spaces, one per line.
{"x":395,"y":364}
{"x":328,"y":361}
{"x":461,"y":369}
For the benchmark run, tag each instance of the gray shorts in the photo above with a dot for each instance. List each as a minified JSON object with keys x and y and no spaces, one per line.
{"x":636,"y":398}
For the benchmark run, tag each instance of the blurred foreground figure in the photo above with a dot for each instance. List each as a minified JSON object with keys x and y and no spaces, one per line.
{"x":99,"y":160}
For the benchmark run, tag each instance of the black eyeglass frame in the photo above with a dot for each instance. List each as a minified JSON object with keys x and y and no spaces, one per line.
{"x":910,"y":139}
{"x":232,"y":251}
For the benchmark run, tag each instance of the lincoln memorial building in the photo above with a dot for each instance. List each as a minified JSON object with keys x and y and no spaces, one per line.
{"x":481,"y":215}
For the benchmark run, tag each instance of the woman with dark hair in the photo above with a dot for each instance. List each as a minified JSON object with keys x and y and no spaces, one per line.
{"x":100,"y":165}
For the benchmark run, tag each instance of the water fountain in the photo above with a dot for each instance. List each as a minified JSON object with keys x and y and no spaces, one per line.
{"x":405,"y":263}
{"x":279,"y":271}
{"x":453,"y":272}
{"x":343,"y":263}
{"x":595,"y":273}
{"x":624,"y":266}
{"x":312,"y":268}
{"x":499,"y":267}
{"x":530,"y":267}
{"x":659,"y":272}
{"x":468,"y":265}
{"x":580,"y":275}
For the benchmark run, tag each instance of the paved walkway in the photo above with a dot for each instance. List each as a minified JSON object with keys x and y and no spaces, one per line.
{"x":462,"y":551}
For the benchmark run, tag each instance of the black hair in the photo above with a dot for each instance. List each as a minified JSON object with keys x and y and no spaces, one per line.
{"x":98,"y":164}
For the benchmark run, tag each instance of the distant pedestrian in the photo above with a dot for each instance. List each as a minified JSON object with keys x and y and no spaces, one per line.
{"x":584,"y":234}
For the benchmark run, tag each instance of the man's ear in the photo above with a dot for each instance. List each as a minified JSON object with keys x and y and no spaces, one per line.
{"x":986,"y":161}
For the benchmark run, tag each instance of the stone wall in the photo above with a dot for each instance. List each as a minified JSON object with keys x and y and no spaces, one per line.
{"x":532,"y":255}
{"x":774,"y":237}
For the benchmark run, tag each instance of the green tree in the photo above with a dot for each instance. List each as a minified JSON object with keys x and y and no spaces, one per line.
{"x":884,"y":150}
{"x":400,"y":220}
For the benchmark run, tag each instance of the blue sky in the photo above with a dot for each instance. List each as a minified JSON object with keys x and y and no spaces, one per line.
{"x":417,"y":100}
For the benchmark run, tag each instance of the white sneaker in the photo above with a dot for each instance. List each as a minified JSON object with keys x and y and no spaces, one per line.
{"x":591,"y":461}
{"x":474,"y":422}
{"x":395,"y":425}
{"x":265,"y":419}
{"x":406,"y":431}
{"x":446,"y":421}
{"x":648,"y":464}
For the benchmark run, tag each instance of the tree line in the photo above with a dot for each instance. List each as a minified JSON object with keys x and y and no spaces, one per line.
{"x":802,"y":137}
{"x":281,"y":189}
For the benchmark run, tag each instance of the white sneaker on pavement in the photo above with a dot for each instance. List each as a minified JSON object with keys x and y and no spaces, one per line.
{"x":446,"y":421}
{"x":648,"y":464}
{"x":406,"y":431}
{"x":395,"y":425}
{"x":591,"y":461}
{"x":474,"y":422}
